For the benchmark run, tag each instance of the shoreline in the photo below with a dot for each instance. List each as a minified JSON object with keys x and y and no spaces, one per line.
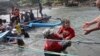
{"x":26,"y":8}
{"x":44,"y":7}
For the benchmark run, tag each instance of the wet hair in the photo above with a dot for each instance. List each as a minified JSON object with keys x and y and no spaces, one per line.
{"x":66,"y":21}
{"x":48,"y":35}
{"x":20,"y":42}
{"x":23,"y":32}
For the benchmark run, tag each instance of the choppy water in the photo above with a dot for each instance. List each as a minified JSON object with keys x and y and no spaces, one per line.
{"x":77,"y":15}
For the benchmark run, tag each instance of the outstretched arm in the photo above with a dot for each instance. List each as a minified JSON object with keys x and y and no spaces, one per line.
{"x":93,"y":29}
{"x":87,"y":24}
{"x":95,"y":20}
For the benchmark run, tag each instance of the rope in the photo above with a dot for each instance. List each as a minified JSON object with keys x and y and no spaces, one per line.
{"x":35,"y":50}
{"x":42,"y":51}
{"x":75,"y":41}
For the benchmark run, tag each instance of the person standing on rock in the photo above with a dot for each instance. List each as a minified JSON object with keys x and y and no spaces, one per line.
{"x":40,"y":8}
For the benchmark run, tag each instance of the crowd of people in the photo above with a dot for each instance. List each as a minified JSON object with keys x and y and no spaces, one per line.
{"x":15,"y":15}
{"x":17,"y":22}
{"x":14,"y":27}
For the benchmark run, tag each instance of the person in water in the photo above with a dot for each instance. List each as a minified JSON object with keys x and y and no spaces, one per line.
{"x":12,"y":19}
{"x":21,"y":31}
{"x":94,"y":21}
{"x":66,"y":32}
{"x":24,"y":19}
{"x":1,"y":25}
{"x":31,"y":15}
{"x":21,"y":18}
{"x":5,"y":24}
{"x":17,"y":27}
{"x":15,"y":38}
{"x":17,"y":32}
{"x":27,"y":17}
{"x":15,"y":15}
{"x":26,"y":35}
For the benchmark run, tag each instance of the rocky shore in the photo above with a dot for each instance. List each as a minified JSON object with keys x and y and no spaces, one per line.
{"x":4,"y":6}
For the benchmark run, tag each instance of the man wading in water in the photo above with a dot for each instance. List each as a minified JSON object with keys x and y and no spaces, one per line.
{"x":94,"y":21}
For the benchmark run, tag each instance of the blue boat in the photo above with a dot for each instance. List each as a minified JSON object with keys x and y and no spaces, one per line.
{"x":45,"y":19}
{"x":48,"y":24}
{"x":3,"y":34}
{"x":42,"y":20}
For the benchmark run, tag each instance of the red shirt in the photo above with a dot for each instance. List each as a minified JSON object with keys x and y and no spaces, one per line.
{"x":67,"y":32}
{"x":54,"y":45}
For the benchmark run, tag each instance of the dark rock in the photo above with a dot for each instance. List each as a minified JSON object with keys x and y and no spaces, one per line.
{"x":3,"y":11}
{"x":5,"y":5}
{"x":71,"y":4}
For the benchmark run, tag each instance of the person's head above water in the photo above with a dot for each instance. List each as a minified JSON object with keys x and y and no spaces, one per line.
{"x":66,"y":23}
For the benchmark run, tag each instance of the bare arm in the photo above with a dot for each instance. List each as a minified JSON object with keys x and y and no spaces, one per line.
{"x":93,"y":29}
{"x":95,"y":20}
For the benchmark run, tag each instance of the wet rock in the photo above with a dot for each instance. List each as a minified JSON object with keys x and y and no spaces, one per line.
{"x":5,"y":5}
{"x":3,"y":11}
{"x":73,"y":4}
